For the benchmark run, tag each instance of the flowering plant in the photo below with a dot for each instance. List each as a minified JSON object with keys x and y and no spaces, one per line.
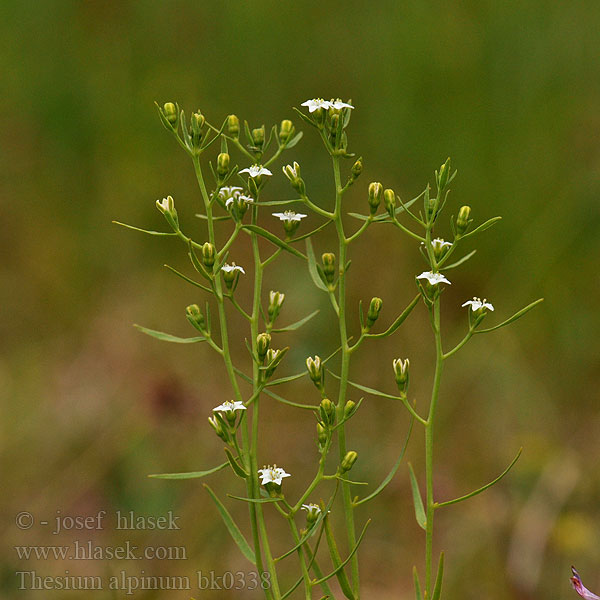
{"x":236,"y":422}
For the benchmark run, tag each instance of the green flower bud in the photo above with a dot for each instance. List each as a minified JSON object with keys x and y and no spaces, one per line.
{"x":315,"y":371}
{"x":375,"y":196}
{"x":443,"y":175}
{"x":167,"y":207}
{"x":357,"y":168}
{"x":275,"y":303}
{"x":217,"y":424}
{"x":348,"y":461}
{"x":208,"y":255}
{"x":463,"y":221}
{"x":389,"y":199}
{"x":329,"y":266}
{"x":223,"y":164}
{"x":349,"y":409}
{"x":197,"y":121}
{"x":286,"y":130}
{"x":401,"y":373}
{"x":321,"y":435}
{"x":170,"y":113}
{"x":273,"y":358}
{"x":327,"y":411}
{"x":293,"y":174}
{"x":195,"y":316}
{"x":263,"y":340}
{"x":258,"y":136}
{"x":374,"y":310}
{"x":233,"y":126}
{"x":440,"y":248}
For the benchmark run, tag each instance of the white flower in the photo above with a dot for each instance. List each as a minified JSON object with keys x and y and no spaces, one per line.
{"x":256,"y":171}
{"x":317,"y":103}
{"x":229,"y":405}
{"x":477,"y":304}
{"x":276,"y":298}
{"x":232,"y":267}
{"x":230,"y":191}
{"x":433,"y":278}
{"x":440,"y":243}
{"x":166,"y":204}
{"x":338,"y":104}
{"x":240,"y":198}
{"x":272,"y":474}
{"x":315,"y":508}
{"x":289,"y":216}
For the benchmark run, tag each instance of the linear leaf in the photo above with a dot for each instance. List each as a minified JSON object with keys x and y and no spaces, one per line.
{"x":383,"y":217}
{"x":437,"y":589}
{"x":191,"y":475}
{"x":186,"y":278}
{"x":312,"y":267}
{"x":483,"y":488}
{"x":289,"y":402}
{"x":417,"y":500}
{"x":311,"y":233}
{"x":273,"y":239}
{"x":343,"y":564}
{"x":295,"y":325}
{"x":238,"y":470}
{"x":167,"y":337}
{"x":233,"y":529}
{"x":287,"y":379}
{"x":516,"y":316}
{"x":293,"y":588}
{"x":399,"y":320}
{"x":393,"y":471}
{"x":218,"y":218}
{"x":460,"y":261}
{"x":255,"y":500}
{"x":486,"y":225}
{"x":294,"y":140}
{"x":418,"y":594}
{"x":148,"y":231}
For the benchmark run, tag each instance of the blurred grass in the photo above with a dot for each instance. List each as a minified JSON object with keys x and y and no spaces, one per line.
{"x":509,"y":90}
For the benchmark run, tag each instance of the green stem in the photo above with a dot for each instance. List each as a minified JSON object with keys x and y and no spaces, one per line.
{"x":429,"y":438}
{"x":345,"y":369}
{"x":250,"y":482}
{"x":304,"y":568}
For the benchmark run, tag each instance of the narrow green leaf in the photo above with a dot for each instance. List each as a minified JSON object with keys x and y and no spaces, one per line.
{"x":238,"y":470}
{"x":417,"y":500}
{"x":273,"y":239}
{"x":383,"y":217}
{"x":295,"y":325}
{"x":294,"y":140}
{"x":289,"y":402}
{"x":483,"y":488}
{"x":218,"y":218}
{"x":400,"y":319}
{"x":312,"y":267}
{"x":148,"y":231}
{"x":255,"y":500}
{"x":191,"y":475}
{"x":186,"y":278}
{"x":437,"y":589}
{"x":343,"y":564}
{"x":460,"y":261}
{"x":311,"y":233}
{"x":304,"y":117}
{"x":418,"y":594}
{"x":482,"y":227}
{"x":286,"y":379}
{"x":516,"y":316}
{"x":167,"y":337}
{"x":393,"y":471}
{"x":233,"y":529}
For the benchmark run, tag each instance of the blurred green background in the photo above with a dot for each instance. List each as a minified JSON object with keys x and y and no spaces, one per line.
{"x":89,"y":406}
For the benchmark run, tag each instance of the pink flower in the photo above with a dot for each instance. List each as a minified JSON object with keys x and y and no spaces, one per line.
{"x":580,"y":588}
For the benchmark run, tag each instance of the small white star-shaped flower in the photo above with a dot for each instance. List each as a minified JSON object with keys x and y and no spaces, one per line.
{"x":338,"y":104}
{"x":256,"y":171}
{"x":240,"y":198}
{"x":316,"y":103}
{"x":440,"y":243}
{"x":232,"y":267}
{"x":289,"y":216}
{"x":315,"y":508}
{"x":166,"y":204}
{"x":477,"y":304}
{"x":229,"y":405}
{"x":433,"y":278}
{"x":272,"y":474}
